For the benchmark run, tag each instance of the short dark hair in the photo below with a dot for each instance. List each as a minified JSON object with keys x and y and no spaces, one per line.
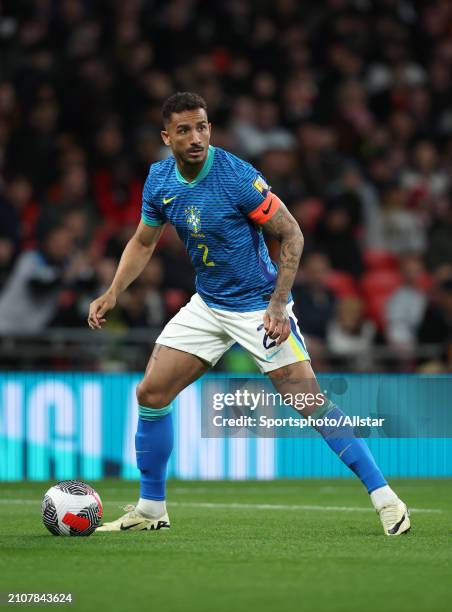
{"x":181,"y":101}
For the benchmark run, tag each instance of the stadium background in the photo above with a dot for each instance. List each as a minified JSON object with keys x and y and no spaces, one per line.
{"x":344,"y":106}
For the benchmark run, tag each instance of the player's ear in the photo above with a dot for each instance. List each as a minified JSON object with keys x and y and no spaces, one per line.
{"x":165,"y":137}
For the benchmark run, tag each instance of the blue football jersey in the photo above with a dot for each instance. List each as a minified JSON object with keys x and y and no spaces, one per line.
{"x":213,"y":216}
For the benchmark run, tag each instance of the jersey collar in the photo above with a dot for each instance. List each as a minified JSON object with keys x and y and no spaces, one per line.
{"x":203,"y":172}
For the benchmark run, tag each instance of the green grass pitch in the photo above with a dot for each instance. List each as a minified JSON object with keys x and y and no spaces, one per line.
{"x":265,"y":546}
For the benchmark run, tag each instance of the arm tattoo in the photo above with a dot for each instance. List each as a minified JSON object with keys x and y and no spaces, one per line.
{"x":284,"y":228}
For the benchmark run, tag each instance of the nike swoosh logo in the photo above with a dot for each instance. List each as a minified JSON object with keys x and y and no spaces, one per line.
{"x":267,"y":210}
{"x":129,"y":526}
{"x":273,"y":354}
{"x":395,"y":529}
{"x":168,"y":200}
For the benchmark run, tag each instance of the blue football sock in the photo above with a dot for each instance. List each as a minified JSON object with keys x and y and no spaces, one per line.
{"x":153,"y":443}
{"x":352,"y":451}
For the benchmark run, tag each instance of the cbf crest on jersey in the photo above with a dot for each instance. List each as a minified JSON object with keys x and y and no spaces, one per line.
{"x":193,"y":216}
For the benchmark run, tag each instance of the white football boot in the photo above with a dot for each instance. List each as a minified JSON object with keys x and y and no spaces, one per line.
{"x":133,"y":520}
{"x":395,"y":518}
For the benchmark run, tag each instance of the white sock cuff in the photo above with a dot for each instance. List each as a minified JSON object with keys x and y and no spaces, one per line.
{"x":151,"y":508}
{"x":384,"y":496}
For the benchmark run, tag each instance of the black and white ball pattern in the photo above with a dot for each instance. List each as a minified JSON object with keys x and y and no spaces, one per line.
{"x":74,"y":487}
{"x":71,"y":508}
{"x":49,"y":515}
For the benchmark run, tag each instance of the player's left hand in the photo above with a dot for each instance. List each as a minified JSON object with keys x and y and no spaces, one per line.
{"x":276,"y":322}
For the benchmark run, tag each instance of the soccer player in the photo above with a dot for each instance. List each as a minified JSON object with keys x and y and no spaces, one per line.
{"x":220,"y":206}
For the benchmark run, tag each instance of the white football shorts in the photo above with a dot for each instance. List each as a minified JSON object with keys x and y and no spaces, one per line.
{"x":208,"y":333}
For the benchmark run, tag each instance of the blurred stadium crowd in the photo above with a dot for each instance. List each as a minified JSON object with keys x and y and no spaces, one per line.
{"x":345,"y":107}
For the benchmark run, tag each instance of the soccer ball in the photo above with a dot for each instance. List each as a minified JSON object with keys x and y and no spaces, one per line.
{"x":71,"y":508}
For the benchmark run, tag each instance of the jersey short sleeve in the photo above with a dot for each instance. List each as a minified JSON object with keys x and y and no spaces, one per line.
{"x":255,"y":198}
{"x":151,"y":213}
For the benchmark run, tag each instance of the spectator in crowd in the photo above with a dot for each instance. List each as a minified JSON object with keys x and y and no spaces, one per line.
{"x":152,"y":278}
{"x":405,"y":308}
{"x":436,"y":324}
{"x":424,"y":181}
{"x":259,"y":130}
{"x":318,"y":157}
{"x":9,"y":233}
{"x":279,"y":166}
{"x":18,"y":217}
{"x":118,"y":193}
{"x":29,"y":299}
{"x":103,"y":271}
{"x":314,"y":302}
{"x":143,"y":304}
{"x":344,"y":106}
{"x":335,"y":234}
{"x":132,"y":307}
{"x":403,"y":231}
{"x":441,"y":365}
{"x":365,"y":206}
{"x":350,"y":336}
{"x":69,"y":193}
{"x":439,"y":251}
{"x":32,"y":148}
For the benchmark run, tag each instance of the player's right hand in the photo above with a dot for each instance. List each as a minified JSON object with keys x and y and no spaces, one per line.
{"x":98,"y":308}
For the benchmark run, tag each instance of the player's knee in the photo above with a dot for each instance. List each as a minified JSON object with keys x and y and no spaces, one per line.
{"x":152,"y":397}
